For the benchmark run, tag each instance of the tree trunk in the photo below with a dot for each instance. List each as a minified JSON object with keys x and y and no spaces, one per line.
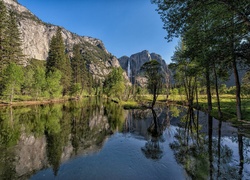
{"x":241,"y":155}
{"x":217,"y":93}
{"x":154,"y":99}
{"x":196,"y":95}
{"x":209,"y":97}
{"x":237,"y":84}
{"x":12,"y":95}
{"x":210,"y":145}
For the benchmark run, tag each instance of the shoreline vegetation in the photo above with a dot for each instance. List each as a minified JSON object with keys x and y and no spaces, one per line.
{"x":228,"y":110}
{"x":199,"y":68}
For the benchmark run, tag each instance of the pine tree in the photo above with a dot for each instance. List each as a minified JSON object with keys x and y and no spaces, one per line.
{"x":79,"y":70}
{"x":58,"y":60}
{"x":76,"y":63}
{"x":14,"y":50}
{"x":3,"y":40}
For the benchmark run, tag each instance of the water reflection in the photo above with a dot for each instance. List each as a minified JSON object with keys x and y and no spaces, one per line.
{"x":210,"y":154}
{"x":37,"y":137}
{"x":46,"y":138}
{"x":153,"y":148}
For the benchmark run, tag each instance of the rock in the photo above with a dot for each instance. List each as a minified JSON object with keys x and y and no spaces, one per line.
{"x":132,"y":66}
{"x":36,"y":36}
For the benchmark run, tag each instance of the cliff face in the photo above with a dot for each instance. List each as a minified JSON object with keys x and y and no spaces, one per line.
{"x":36,"y":36}
{"x":133,"y":64}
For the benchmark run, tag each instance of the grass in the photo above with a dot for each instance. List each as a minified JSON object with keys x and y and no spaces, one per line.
{"x":227,"y":102}
{"x":130,"y":104}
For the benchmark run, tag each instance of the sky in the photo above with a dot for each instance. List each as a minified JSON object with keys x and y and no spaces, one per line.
{"x":125,"y":27}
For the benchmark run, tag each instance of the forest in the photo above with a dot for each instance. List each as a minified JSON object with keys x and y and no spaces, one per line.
{"x":214,"y":43}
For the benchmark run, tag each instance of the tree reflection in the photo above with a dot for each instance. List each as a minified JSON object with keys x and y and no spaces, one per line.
{"x":205,"y":155}
{"x":9,"y":134}
{"x":153,"y":148}
{"x":53,"y":134}
{"x":189,"y":146}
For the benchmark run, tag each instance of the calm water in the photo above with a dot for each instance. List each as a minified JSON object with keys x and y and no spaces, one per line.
{"x":96,"y":140}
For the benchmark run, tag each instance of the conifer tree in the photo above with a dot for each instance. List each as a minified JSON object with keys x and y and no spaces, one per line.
{"x":3,"y":40}
{"x":58,"y":60}
{"x":14,"y":50}
{"x":79,"y":70}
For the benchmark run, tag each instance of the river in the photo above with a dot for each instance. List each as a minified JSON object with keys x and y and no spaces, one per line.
{"x":95,"y":139}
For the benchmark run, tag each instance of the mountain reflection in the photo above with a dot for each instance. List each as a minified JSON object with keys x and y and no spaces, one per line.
{"x":41,"y":137}
{"x":38,"y":137}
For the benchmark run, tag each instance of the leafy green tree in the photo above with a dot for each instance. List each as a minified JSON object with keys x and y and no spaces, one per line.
{"x":209,"y":28}
{"x":39,"y":81}
{"x":58,"y":60}
{"x":186,"y":73}
{"x":246,"y":84}
{"x":114,"y":83}
{"x":153,"y":73}
{"x":53,"y":86}
{"x":27,"y":85}
{"x":13,"y":77}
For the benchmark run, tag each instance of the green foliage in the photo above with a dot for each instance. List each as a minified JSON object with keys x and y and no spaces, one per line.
{"x":58,"y":60}
{"x":14,"y":50}
{"x":39,"y":82}
{"x":53,"y":86}
{"x":10,"y":41}
{"x":153,"y":73}
{"x":12,"y":79}
{"x":223,"y":89}
{"x":113,"y":85}
{"x":29,"y":80}
{"x":3,"y":35}
{"x":115,"y":115}
{"x":186,"y":73}
{"x":79,"y":69}
{"x":214,"y":33}
{"x":75,"y":89}
{"x":246,"y":84}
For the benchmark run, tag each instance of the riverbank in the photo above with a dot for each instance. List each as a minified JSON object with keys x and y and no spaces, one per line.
{"x":227,"y":105}
{"x":34,"y":102}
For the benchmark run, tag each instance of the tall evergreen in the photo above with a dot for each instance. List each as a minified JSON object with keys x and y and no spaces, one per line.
{"x":79,"y":70}
{"x":14,"y":50}
{"x":59,"y":60}
{"x":3,"y":39}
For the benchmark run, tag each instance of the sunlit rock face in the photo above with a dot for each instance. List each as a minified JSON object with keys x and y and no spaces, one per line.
{"x":36,"y":36}
{"x":133,"y":64}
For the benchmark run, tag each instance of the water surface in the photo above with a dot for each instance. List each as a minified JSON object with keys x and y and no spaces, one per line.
{"x":93,"y":139}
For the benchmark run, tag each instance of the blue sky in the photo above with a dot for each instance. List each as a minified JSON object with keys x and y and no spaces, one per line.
{"x":125,"y":26}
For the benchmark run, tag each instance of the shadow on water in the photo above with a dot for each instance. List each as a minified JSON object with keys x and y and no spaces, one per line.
{"x":99,"y":136}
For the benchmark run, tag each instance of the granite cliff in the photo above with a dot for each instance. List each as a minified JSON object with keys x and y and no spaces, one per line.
{"x":36,"y":36}
{"x":133,"y":64}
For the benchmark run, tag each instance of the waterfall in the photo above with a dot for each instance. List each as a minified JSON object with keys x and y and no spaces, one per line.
{"x":129,"y":69}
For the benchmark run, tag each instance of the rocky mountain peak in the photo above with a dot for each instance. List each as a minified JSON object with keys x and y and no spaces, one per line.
{"x":132,"y":65}
{"x":36,"y":36}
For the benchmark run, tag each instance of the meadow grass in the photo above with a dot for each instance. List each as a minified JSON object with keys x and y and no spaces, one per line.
{"x":227,"y":103}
